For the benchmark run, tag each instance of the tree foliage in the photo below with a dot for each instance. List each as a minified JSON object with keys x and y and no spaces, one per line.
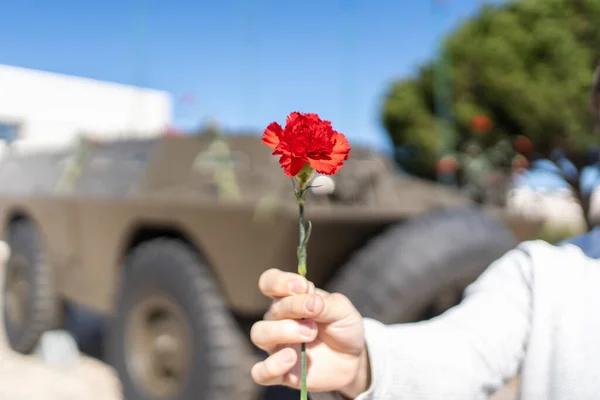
{"x":527,"y":65}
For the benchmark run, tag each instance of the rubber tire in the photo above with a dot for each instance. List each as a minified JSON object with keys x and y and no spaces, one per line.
{"x":221,"y":367}
{"x":419,"y":268}
{"x":43,"y":311}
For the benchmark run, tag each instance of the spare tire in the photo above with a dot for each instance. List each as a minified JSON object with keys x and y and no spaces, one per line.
{"x":31,"y":303}
{"x":419,"y":268}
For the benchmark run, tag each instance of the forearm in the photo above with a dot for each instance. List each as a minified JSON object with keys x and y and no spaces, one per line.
{"x":410,"y":362}
{"x":466,"y":353}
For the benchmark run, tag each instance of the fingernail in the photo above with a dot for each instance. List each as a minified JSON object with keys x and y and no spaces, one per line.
{"x":298,"y":286}
{"x":310,"y":304}
{"x":286,"y":356}
{"x":306,"y":329}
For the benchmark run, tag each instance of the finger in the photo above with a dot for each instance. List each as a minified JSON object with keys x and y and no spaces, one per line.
{"x":276,"y":283}
{"x":296,"y":307}
{"x":269,"y":315}
{"x":272,"y":370}
{"x":322,"y":308}
{"x":311,"y":289}
{"x":267,"y":335}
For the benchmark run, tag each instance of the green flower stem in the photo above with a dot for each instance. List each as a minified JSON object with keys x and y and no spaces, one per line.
{"x":302,"y":271}
{"x":304,"y":234}
{"x":303,"y":239}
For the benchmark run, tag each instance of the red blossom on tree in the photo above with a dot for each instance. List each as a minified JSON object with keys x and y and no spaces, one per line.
{"x":447,"y":165}
{"x":519,"y":164}
{"x":307,"y":138}
{"x":523,"y":145}
{"x":481,"y":124}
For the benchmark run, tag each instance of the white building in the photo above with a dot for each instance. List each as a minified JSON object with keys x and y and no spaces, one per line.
{"x":47,"y":108}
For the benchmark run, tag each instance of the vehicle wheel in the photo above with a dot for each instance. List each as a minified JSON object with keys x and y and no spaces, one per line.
{"x":31,"y":305}
{"x":173,"y":336}
{"x":419,"y":268}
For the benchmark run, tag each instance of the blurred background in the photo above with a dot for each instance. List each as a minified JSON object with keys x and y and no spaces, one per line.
{"x":471,"y":119}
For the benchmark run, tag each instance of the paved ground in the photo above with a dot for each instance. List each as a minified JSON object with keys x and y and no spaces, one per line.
{"x":27,"y":378}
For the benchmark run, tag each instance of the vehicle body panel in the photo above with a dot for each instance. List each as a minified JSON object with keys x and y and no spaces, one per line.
{"x":155,"y":186}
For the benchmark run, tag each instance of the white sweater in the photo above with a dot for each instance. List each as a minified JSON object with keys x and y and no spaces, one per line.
{"x":535,"y":311}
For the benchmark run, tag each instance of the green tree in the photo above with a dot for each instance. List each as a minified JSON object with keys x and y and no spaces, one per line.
{"x":525,"y":64}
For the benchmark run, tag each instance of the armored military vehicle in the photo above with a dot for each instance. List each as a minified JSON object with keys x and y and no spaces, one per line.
{"x":167,"y":238}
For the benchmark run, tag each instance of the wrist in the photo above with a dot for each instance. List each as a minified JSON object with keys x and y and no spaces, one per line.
{"x":363,"y":378}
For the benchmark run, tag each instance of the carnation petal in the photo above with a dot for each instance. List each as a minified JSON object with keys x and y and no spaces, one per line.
{"x":326,"y":167}
{"x":330,"y":164}
{"x":292,"y":117}
{"x":291,"y":165}
{"x":341,"y":148}
{"x":271,"y":136}
{"x":314,"y":117}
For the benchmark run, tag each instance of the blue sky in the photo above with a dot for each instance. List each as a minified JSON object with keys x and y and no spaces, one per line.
{"x":246,"y":62}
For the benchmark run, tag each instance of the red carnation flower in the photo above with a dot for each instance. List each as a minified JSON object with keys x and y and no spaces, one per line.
{"x":307,"y":139}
